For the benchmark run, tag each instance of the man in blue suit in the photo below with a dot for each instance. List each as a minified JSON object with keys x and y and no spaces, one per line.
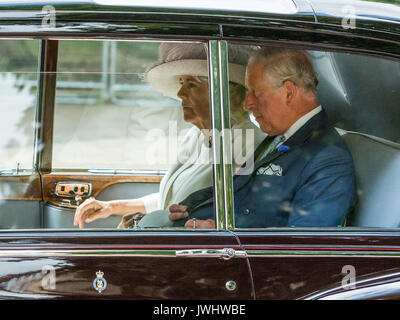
{"x":303,"y":174}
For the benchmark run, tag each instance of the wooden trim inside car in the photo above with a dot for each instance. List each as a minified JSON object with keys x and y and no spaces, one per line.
{"x":98,"y":182}
{"x":46,"y":101}
{"x":20,"y":187}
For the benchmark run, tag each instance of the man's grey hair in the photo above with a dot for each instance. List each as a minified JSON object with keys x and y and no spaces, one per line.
{"x":283,"y":64}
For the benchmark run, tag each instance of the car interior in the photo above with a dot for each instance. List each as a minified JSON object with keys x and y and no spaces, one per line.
{"x":364,"y":109}
{"x":361,"y":105}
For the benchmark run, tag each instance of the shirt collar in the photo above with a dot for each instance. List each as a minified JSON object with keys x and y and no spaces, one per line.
{"x":300,"y":122}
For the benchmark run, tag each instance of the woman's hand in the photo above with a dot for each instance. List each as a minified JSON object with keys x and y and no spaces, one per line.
{"x":90,"y":210}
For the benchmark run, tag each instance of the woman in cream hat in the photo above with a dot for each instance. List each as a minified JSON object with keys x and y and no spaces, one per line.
{"x":182,"y":73}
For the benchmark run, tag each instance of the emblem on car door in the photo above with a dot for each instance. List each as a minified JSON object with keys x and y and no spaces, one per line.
{"x":100,"y":283}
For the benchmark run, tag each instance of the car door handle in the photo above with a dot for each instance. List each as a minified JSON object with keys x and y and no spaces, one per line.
{"x":225,"y":253}
{"x":73,"y":189}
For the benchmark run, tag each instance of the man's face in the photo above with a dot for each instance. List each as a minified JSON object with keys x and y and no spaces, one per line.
{"x":268,"y":104}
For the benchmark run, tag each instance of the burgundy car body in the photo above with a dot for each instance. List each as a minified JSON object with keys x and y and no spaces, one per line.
{"x":164,"y":264}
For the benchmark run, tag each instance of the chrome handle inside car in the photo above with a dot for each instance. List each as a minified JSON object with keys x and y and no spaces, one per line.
{"x":73,"y":189}
{"x":225,"y":253}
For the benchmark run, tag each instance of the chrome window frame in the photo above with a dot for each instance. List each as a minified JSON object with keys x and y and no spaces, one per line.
{"x":220,"y":117}
{"x":317,"y":47}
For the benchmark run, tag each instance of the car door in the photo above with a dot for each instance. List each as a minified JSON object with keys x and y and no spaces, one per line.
{"x":94,"y":129}
{"x":132,"y":264}
{"x":357,"y":260}
{"x":53,"y":262}
{"x":66,"y":91}
{"x":300,"y":264}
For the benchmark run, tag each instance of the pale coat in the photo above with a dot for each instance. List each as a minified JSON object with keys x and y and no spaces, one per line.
{"x":194,"y":170}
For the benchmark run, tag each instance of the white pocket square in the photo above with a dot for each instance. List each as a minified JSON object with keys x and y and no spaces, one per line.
{"x":270,"y":170}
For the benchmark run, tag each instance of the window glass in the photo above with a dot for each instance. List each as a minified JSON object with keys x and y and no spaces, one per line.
{"x":18,"y":77}
{"x":106,"y":115}
{"x":331,"y":148}
{"x":134,"y":108}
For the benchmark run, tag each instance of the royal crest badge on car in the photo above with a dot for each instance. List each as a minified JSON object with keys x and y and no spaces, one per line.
{"x":99,"y":283}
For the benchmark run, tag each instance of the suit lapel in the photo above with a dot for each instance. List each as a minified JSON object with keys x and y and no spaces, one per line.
{"x":313,"y":126}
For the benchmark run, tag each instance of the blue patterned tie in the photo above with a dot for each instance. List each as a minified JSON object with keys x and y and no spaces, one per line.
{"x":273,"y":145}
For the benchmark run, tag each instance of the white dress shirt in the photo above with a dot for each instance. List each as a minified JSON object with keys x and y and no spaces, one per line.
{"x":299,"y":123}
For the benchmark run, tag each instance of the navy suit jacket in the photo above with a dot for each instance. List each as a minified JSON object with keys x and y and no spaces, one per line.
{"x":309,"y":183}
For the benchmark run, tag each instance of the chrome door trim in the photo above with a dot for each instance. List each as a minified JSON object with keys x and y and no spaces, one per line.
{"x":220,"y":118}
{"x":86,"y":253}
{"x":225,"y":253}
{"x":216,"y":120}
{"x":226,"y":136}
{"x":319,"y":253}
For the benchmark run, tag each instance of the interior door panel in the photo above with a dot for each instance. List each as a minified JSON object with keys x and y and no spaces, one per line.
{"x":20,"y":197}
{"x":99,"y":184}
{"x":20,"y":214}
{"x":59,"y":211}
{"x":128,"y":190}
{"x":57,"y":217}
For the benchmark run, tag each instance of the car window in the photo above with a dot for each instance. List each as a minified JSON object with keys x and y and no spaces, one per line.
{"x":106,"y":114}
{"x":332,"y":146}
{"x":126,"y":113}
{"x":18,"y":77}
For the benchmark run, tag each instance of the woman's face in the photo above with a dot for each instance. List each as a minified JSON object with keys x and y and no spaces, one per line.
{"x":194,"y":96}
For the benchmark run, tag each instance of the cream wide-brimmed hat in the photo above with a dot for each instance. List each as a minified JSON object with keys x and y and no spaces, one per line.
{"x":190,"y":59}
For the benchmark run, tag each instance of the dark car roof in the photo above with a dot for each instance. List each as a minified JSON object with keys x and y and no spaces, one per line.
{"x":369,"y":14}
{"x":221,"y":8}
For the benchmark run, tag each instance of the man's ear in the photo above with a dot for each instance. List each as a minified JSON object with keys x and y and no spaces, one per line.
{"x":291,"y":90}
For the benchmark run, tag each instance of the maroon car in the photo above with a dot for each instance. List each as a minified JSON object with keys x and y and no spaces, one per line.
{"x":79,"y":120}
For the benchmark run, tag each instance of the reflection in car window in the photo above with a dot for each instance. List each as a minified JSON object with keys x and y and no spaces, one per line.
{"x":18,"y":68}
{"x":105,"y":111}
